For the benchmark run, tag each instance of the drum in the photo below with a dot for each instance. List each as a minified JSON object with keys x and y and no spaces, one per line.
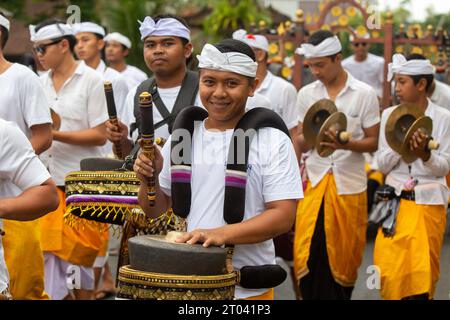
{"x":161,"y":269}
{"x":101,"y":198}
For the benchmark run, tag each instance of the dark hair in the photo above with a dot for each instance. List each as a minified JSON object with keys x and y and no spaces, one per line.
{"x":181,"y":20}
{"x":319,"y":36}
{"x":70,"y":38}
{"x":4,"y":35}
{"x":233,"y":45}
{"x":429,"y":78}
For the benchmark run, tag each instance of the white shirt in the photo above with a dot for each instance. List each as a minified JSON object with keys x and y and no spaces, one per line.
{"x":432,"y":186}
{"x":19,"y":166}
{"x":272,"y":175}
{"x":22,"y":98}
{"x":283,"y":97}
{"x":81,"y":104}
{"x":370,"y":71}
{"x":119,"y":83}
{"x":134,"y":76}
{"x":441,"y":95}
{"x":359,"y":102}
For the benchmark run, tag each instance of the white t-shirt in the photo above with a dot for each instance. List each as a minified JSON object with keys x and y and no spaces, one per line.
{"x":432,"y":186}
{"x":283,"y":97}
{"x":360,"y":104}
{"x":441,"y":95}
{"x":370,"y":71}
{"x":22,"y":98}
{"x":81,"y":104}
{"x":134,"y":76}
{"x":272,"y":175}
{"x":19,"y":166}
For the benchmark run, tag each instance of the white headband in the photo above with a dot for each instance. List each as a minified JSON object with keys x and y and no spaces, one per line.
{"x":4,"y":22}
{"x":212,"y":58}
{"x":255,"y":41}
{"x":88,"y":27}
{"x":400,"y":65}
{"x":115,"y":36}
{"x":52,"y":31}
{"x":164,"y":27}
{"x":326,"y":48}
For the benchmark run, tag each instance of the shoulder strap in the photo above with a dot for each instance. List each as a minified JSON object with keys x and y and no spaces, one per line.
{"x":186,"y":97}
{"x":236,"y":171}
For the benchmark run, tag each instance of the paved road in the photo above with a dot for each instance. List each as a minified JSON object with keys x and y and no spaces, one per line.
{"x":361,"y":292}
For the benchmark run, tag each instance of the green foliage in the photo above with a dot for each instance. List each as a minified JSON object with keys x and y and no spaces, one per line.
{"x":230,"y":15}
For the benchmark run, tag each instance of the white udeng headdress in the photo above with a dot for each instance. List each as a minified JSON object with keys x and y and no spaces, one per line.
{"x":89,"y":27}
{"x":115,"y":36}
{"x":164,"y":27}
{"x":212,"y":58}
{"x":253,"y":40}
{"x":4,"y":22}
{"x":400,"y":65}
{"x":326,"y":48}
{"x":52,"y":31}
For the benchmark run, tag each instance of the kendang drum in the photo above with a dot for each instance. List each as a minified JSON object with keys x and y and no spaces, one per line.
{"x":161,"y":269}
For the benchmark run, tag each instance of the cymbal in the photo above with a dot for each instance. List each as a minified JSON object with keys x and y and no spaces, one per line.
{"x":398,"y":123}
{"x":56,"y":119}
{"x":337,"y":122}
{"x":425,"y":124}
{"x":315,"y":117}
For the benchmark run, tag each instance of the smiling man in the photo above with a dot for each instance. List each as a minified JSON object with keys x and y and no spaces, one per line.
{"x":272,"y":178}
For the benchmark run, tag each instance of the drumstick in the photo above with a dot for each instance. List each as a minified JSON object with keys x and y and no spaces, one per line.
{"x":112,"y":112}
{"x":148,"y":138}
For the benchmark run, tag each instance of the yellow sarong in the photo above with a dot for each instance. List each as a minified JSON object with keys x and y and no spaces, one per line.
{"x":79,"y":247}
{"x":345,"y":221}
{"x":24,"y":260}
{"x":409,"y":261}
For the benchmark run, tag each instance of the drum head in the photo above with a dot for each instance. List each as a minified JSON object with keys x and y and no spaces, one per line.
{"x":155,"y":254}
{"x":337,"y":122}
{"x":317,"y":114}
{"x":426,"y":125}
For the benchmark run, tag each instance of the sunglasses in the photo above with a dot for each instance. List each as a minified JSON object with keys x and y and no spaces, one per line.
{"x":357,"y":44}
{"x":43,"y":47}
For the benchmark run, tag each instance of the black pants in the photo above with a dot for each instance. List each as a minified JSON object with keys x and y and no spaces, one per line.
{"x":319,"y":284}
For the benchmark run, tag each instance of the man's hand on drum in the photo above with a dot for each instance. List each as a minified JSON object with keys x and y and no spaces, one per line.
{"x":144,"y":168}
{"x":209,"y":237}
{"x":116,"y":133}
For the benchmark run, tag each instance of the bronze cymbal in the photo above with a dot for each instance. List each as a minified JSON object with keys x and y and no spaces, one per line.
{"x":398,"y":123}
{"x":315,"y":117}
{"x":56,"y":119}
{"x":337,"y":122}
{"x":425,"y":124}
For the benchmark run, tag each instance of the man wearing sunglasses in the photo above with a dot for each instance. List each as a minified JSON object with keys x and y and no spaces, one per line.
{"x":365,"y":66}
{"x":76,"y":93}
{"x":22,"y":101}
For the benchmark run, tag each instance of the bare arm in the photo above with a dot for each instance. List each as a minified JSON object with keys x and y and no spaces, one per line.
{"x":277,"y":219}
{"x":90,"y":137}
{"x":31,"y":204}
{"x":41,"y":137}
